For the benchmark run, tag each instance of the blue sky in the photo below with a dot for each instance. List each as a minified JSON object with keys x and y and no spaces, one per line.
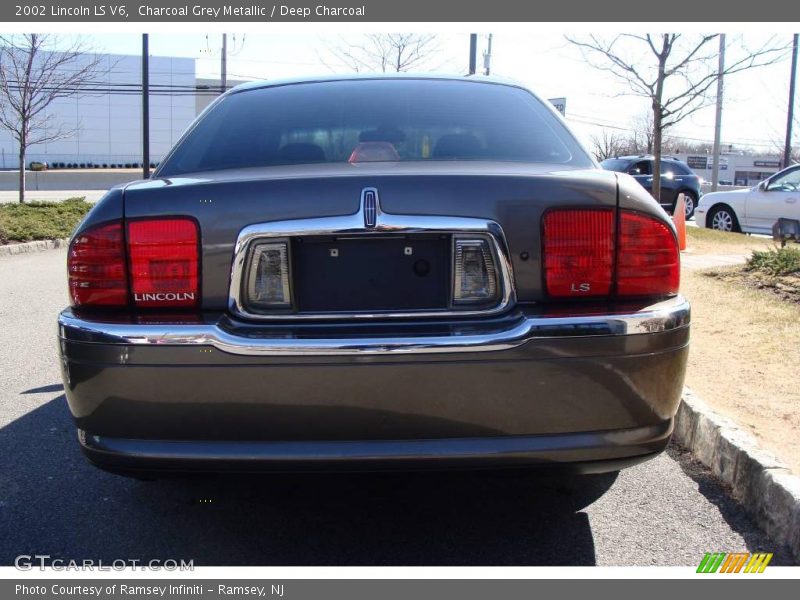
{"x":755,"y":101}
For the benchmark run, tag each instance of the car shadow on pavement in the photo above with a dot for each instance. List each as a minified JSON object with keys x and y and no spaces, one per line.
{"x":46,"y":389}
{"x":734,"y":514}
{"x":52,"y":502}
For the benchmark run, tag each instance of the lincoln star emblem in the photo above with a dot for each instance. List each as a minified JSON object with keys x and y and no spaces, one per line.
{"x":370,"y":206}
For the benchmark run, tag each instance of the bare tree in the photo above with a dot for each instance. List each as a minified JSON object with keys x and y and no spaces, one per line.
{"x":777,"y":150}
{"x":33,"y":74}
{"x":678,"y":145}
{"x":641,"y":138}
{"x":777,"y":144}
{"x":387,"y":52}
{"x":677,"y":73}
{"x":609,"y":144}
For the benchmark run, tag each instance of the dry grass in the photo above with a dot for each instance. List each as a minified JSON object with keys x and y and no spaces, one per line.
{"x":745,"y":357}
{"x":705,"y":241}
{"x":784,"y":287}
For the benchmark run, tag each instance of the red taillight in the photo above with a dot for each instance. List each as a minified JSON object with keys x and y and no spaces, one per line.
{"x":648,"y":263}
{"x":96,"y":267}
{"x":578,"y":252}
{"x":163,"y":255}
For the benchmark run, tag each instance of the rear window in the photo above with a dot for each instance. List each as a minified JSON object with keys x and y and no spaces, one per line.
{"x":616,"y":164}
{"x":374,"y":120}
{"x":676,"y":167}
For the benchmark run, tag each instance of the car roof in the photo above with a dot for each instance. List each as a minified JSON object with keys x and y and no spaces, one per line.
{"x":253,"y":85}
{"x":646,"y":157}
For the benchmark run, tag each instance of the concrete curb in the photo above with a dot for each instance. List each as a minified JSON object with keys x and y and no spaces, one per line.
{"x":763,"y":484}
{"x":37,"y":246}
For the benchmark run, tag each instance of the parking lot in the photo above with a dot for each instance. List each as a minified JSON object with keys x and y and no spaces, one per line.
{"x":664,"y":512}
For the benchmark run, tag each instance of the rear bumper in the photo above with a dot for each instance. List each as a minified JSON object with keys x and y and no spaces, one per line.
{"x":594,"y":452}
{"x":492,"y":335}
{"x":589,"y":388}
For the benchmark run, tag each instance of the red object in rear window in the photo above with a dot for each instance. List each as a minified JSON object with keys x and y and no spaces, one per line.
{"x":374,"y":152}
{"x":163,"y":256}
{"x":649,"y":259}
{"x":96,"y":267}
{"x":578,"y":252}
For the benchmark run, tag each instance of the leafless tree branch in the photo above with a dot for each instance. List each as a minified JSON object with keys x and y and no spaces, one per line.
{"x":676,"y":73}
{"x":36,"y":70}
{"x":386,"y":52}
{"x":609,"y":144}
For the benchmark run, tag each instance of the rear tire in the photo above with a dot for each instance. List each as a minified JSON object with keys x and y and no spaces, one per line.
{"x":722,"y":218}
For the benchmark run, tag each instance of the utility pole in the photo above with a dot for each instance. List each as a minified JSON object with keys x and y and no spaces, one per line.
{"x":473,"y":52}
{"x":718,"y":122}
{"x":224,"y":64}
{"x":787,"y":148}
{"x":487,"y":57}
{"x":145,"y":107}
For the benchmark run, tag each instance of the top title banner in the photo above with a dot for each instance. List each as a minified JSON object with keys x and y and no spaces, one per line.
{"x":397,"y":10}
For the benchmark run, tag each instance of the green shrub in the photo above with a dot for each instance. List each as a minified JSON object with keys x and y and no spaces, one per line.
{"x":776,"y":261}
{"x":41,"y":220}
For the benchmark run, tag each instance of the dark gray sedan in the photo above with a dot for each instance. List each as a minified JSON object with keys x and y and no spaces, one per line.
{"x":374,"y":272}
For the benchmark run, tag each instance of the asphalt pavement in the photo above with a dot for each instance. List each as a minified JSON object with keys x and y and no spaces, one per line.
{"x":668,"y":511}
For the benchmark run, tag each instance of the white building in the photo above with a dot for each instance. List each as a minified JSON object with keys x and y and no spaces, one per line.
{"x":734,"y":169}
{"x":108,"y":123}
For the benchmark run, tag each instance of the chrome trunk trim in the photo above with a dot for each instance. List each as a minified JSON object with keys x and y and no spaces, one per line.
{"x":355,"y":225}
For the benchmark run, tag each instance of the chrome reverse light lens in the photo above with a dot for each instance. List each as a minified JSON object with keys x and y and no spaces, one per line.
{"x":268,"y":284}
{"x":474,"y":272}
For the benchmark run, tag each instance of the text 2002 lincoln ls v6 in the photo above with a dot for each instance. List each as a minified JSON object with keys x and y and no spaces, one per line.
{"x":374,"y":273}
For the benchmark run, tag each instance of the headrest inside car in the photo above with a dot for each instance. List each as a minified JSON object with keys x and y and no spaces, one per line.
{"x":458,"y":145}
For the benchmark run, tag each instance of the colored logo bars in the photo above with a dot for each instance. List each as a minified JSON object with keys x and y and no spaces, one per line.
{"x":743,"y":562}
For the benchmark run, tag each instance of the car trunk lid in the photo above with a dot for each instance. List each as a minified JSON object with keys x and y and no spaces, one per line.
{"x":513,"y":195}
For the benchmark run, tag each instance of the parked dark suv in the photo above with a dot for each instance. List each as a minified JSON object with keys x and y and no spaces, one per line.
{"x":676,"y":178}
